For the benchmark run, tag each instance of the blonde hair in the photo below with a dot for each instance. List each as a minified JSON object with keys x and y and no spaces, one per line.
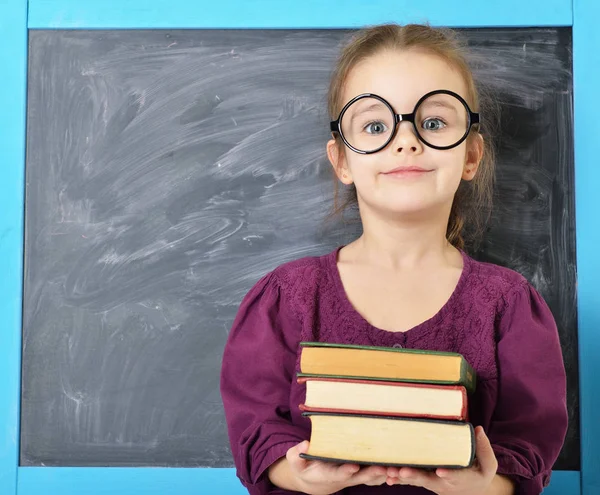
{"x":471,"y":207}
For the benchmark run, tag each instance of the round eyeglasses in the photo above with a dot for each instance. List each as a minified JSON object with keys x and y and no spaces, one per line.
{"x":442,"y":120}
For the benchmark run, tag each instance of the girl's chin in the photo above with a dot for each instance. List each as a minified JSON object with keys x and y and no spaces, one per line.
{"x":406,"y":210}
{"x":413,"y":203}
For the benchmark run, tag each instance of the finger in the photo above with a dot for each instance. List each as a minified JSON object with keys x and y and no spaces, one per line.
{"x":297,"y":463}
{"x":302,"y":448}
{"x":379,"y":480}
{"x":334,"y":472}
{"x":369,"y":475}
{"x":407,"y":472}
{"x":419,"y":477}
{"x":486,"y":462}
{"x":484,"y":453}
{"x":395,"y":481}
{"x":457,"y":476}
{"x":344,"y":472}
{"x":393,"y":472}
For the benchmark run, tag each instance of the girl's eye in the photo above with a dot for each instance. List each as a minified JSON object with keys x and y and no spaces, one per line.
{"x":433,"y":124}
{"x":376,"y":127}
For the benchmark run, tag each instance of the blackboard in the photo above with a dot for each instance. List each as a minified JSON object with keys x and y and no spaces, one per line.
{"x":168,"y":170}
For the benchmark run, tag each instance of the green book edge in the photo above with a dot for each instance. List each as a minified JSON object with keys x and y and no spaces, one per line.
{"x":379,"y":348}
{"x":468,"y":376}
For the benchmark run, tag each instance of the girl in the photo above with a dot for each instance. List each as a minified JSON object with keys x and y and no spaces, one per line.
{"x":406,"y":142}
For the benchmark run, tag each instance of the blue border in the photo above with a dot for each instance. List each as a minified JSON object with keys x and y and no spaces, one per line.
{"x":152,"y":14}
{"x":160,"y":481}
{"x":13,"y":93}
{"x":146,"y":481}
{"x":586,"y":81}
{"x":173,"y":14}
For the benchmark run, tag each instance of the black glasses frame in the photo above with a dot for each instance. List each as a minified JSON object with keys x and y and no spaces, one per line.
{"x":405,"y":117}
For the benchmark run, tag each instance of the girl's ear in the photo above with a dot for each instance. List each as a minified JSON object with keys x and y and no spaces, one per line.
{"x":338,"y":162}
{"x":474,"y":155}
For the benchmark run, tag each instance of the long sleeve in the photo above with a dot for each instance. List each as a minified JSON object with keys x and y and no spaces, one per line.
{"x":529,"y":423}
{"x":256,"y":376}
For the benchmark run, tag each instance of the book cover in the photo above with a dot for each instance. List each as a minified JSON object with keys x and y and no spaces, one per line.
{"x":390,"y":441}
{"x":385,"y":398}
{"x":323,"y":359}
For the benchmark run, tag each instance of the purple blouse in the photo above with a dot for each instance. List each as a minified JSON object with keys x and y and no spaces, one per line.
{"x":494,"y":318}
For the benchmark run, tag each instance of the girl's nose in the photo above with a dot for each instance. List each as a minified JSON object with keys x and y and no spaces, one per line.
{"x":406,"y":141}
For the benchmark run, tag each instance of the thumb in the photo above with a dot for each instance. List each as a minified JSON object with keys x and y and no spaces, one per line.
{"x":302,"y":447}
{"x":485,"y":453}
{"x":297,"y":463}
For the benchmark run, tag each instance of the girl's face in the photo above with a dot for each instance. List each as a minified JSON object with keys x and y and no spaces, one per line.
{"x":407,"y":176}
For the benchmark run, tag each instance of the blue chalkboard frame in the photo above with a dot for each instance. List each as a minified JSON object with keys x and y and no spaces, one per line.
{"x":18,"y":16}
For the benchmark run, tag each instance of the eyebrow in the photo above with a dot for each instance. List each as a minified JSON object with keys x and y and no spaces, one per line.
{"x":440,"y":103}
{"x":366,"y":109}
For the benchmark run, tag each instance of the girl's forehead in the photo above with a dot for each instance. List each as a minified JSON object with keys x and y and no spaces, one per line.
{"x":402,"y":77}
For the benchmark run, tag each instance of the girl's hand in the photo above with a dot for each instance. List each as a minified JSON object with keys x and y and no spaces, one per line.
{"x":475,"y":480}
{"x":324,"y":478}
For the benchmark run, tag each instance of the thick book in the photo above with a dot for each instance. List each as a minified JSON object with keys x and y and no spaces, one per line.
{"x":341,"y":395}
{"x":385,"y":363}
{"x":390,"y":441}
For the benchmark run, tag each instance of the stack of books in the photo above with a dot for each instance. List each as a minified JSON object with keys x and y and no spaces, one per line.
{"x":387,"y":406}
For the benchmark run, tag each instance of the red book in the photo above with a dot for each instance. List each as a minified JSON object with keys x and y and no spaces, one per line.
{"x":384,"y":398}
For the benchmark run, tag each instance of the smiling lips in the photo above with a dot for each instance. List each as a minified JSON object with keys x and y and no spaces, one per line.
{"x":408,"y":171}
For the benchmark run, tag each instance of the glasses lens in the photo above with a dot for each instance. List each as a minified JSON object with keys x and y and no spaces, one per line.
{"x":367,"y":124}
{"x":441,"y":120}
